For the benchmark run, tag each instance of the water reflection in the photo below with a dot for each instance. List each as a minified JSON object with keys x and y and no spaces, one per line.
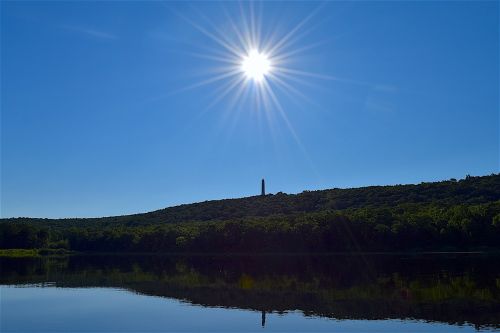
{"x":454,"y":289}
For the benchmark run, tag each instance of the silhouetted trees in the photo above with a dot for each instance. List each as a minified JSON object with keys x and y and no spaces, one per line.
{"x":23,"y":236}
{"x":451,"y":215}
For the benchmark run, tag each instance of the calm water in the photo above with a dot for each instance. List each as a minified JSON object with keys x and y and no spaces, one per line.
{"x":337,"y":293}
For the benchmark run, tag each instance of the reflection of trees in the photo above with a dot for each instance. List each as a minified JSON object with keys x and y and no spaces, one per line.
{"x":453,"y":290}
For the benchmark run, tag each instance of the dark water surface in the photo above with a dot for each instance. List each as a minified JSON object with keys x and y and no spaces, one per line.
{"x":287,"y":293}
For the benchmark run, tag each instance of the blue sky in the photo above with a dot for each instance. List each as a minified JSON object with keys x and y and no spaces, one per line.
{"x":104,"y":111}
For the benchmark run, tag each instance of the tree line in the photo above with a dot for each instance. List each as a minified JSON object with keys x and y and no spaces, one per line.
{"x":451,"y":215}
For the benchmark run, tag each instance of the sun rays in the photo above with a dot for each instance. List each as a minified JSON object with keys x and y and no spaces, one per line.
{"x":253,"y":61}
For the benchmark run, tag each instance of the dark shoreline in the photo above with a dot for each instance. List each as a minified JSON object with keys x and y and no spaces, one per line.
{"x":44,"y":253}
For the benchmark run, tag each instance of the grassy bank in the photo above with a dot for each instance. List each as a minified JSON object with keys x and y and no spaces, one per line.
{"x":19,"y":253}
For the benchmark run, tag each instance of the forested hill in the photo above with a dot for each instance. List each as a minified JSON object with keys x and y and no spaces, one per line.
{"x":450,"y":215}
{"x":468,"y":191}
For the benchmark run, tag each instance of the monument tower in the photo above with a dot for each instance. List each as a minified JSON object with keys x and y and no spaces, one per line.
{"x":263,"y":187}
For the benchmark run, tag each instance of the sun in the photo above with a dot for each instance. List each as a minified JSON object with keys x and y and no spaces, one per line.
{"x":255,"y":65}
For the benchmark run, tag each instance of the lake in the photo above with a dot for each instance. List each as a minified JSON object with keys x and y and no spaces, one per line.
{"x":242,"y":293}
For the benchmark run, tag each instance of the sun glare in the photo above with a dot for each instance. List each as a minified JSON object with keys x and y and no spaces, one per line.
{"x":255,"y":65}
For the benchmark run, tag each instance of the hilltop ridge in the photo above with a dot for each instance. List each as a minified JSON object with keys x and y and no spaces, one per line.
{"x":470,"y":190}
{"x":450,"y":215}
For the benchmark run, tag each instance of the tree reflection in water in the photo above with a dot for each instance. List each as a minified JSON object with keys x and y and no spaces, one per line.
{"x":456,"y":289}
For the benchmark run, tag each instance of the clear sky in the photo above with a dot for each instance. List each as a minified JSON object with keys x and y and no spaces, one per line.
{"x":110,"y":108}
